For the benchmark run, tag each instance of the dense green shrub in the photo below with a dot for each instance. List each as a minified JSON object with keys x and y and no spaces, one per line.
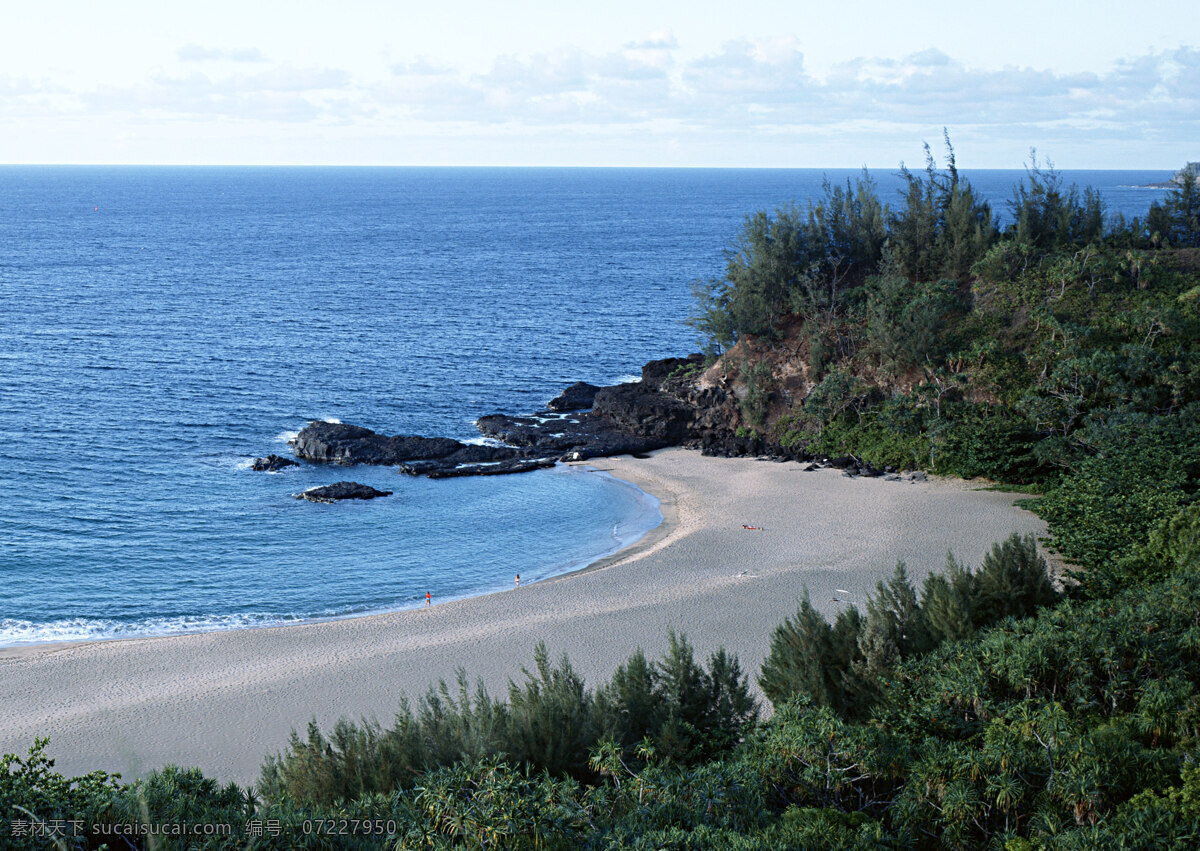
{"x":1141,"y":471}
{"x":844,"y":665}
{"x":550,"y":723}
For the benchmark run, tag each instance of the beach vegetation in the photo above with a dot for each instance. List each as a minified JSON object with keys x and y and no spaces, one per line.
{"x":1176,"y":220}
{"x":758,"y":379}
{"x":681,"y":710}
{"x":842,"y":666}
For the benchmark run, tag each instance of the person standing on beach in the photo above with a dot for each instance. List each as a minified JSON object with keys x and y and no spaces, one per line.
{"x":428,"y":599}
{"x":517,"y":582}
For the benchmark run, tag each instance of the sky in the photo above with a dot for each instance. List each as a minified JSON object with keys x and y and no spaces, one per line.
{"x":786,"y":83}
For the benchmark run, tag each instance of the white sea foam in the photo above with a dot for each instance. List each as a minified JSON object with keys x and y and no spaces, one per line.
{"x":629,"y":379}
{"x":483,"y":441}
{"x":287,"y":436}
{"x":15,"y":632}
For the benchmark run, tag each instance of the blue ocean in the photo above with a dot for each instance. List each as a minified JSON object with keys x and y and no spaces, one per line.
{"x":161,"y":327}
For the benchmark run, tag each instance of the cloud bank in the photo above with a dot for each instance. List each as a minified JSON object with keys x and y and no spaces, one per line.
{"x":748,"y":103}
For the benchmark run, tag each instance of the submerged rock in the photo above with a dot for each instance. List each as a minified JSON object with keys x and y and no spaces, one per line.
{"x":272,"y":463}
{"x":341,"y":490}
{"x":441,"y":470}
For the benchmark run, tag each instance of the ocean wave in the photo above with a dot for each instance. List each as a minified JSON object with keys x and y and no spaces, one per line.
{"x":483,"y":441}
{"x":288,"y":436}
{"x":15,"y":632}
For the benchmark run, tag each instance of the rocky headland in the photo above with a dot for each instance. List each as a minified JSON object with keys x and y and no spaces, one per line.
{"x":677,"y":402}
{"x":1191,"y":172}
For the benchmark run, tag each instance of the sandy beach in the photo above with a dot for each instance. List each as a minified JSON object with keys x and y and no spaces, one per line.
{"x":222,"y":701}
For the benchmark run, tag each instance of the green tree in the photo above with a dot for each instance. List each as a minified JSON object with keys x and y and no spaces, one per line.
{"x":942,"y":227}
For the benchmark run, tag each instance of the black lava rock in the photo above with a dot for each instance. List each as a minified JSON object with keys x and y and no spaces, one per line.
{"x":272,"y":463}
{"x":341,"y":490}
{"x":578,"y":397}
{"x":342,"y":443}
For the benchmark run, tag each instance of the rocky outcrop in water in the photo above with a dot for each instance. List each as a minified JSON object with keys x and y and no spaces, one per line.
{"x":548,"y":434}
{"x":578,"y":397}
{"x":342,"y":443}
{"x":668,"y":407}
{"x":585,"y":421}
{"x":272,"y":463}
{"x":442,"y":470}
{"x":341,"y":490}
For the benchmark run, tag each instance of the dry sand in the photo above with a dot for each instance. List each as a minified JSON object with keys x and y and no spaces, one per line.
{"x":223,"y":700}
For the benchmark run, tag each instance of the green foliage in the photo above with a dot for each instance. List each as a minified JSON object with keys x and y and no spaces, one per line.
{"x":711,"y":315}
{"x":550,"y":723}
{"x":837,"y":393}
{"x":1141,"y":471}
{"x":1046,"y":729}
{"x":1177,"y":219}
{"x":1048,"y":217}
{"x":905,"y":320}
{"x":1012,"y":582}
{"x":32,"y":793}
{"x":948,"y":602}
{"x":943,"y":227}
{"x":997,"y":447}
{"x":677,"y":706}
{"x":758,"y":392}
{"x":1175,"y":542}
{"x":809,"y":657}
{"x":798,"y":260}
{"x":844,"y":666}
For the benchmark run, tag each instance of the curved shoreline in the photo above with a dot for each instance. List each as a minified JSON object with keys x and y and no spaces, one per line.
{"x":223,"y":700}
{"x":648,"y":505}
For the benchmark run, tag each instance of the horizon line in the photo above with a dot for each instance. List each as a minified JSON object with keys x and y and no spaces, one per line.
{"x":513,"y":166}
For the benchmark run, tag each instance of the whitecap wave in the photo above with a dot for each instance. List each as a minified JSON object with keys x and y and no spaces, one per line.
{"x":629,"y":379}
{"x":16,"y":632}
{"x":287,"y":436}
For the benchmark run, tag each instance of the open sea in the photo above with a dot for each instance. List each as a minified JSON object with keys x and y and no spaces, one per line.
{"x":161,"y":327}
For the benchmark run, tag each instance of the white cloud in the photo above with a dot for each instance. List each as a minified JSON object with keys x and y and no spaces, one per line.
{"x":660,"y":40}
{"x":747,"y":100}
{"x":199,"y":53}
{"x":291,"y":95}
